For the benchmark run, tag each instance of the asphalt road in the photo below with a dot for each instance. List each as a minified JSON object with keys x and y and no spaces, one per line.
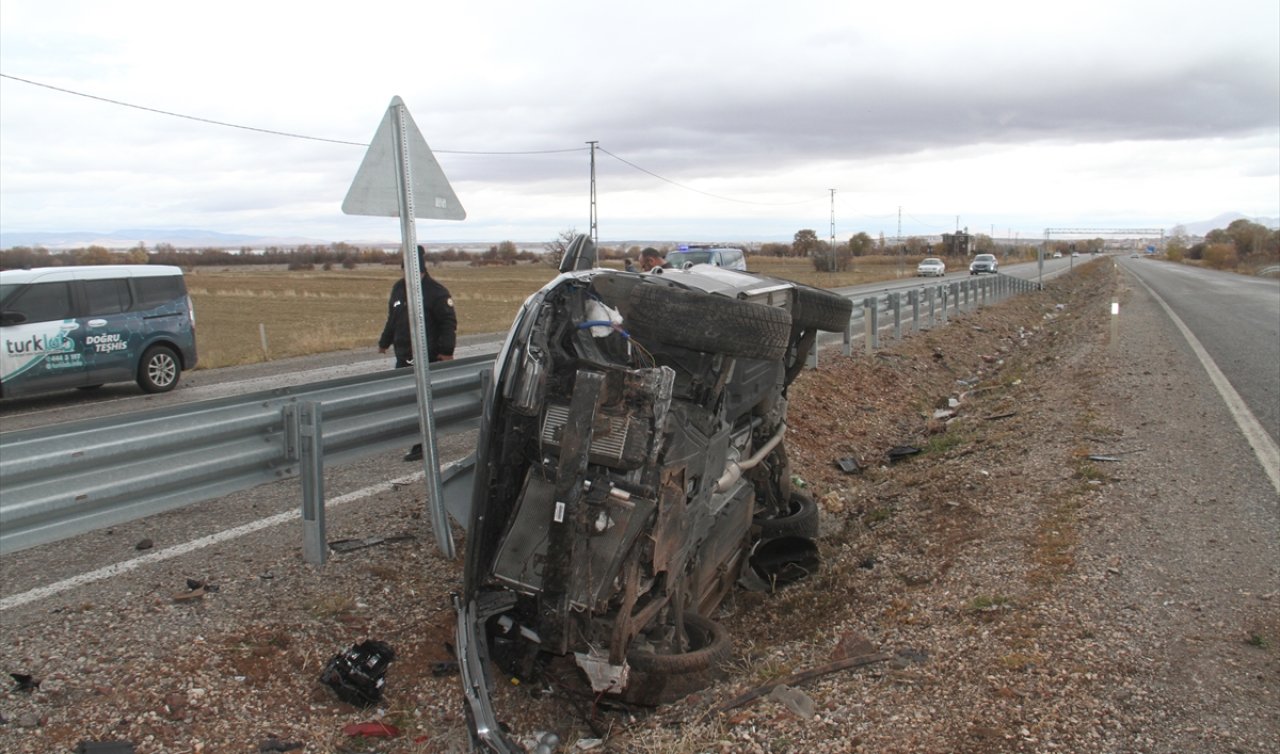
{"x":1237,"y":321}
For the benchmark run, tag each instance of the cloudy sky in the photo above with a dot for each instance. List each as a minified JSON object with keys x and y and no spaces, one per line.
{"x":715,"y":120}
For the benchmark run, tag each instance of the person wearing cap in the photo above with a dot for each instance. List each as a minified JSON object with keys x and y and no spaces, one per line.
{"x":651,"y":259}
{"x":442,"y":326}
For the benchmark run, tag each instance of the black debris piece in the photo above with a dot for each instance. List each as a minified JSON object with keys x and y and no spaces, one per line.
{"x":901,"y":452}
{"x":849,"y":465}
{"x":144,"y":544}
{"x":194,"y":584}
{"x":104,"y":747}
{"x":275,"y":744}
{"x":358,"y":675}
{"x":444,"y":667}
{"x":25,"y":682}
{"x":347,"y":545}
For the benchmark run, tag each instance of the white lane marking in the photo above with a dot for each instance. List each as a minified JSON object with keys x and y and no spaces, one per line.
{"x":1264,"y":447}
{"x":115,"y":569}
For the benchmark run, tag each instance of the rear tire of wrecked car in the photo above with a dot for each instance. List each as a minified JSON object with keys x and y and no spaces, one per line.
{"x":707,"y":322}
{"x":663,"y":678}
{"x":821,"y":309}
{"x":800,"y":520}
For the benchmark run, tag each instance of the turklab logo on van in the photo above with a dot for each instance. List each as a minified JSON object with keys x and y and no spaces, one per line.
{"x":40,"y":343}
{"x":26,"y":347}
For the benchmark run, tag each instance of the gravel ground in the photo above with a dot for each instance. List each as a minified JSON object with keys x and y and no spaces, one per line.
{"x":1003,"y":590}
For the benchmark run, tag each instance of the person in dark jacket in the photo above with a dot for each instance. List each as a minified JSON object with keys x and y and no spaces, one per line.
{"x":442,"y":326}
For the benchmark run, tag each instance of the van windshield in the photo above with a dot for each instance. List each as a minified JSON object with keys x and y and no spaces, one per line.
{"x":681,"y":258}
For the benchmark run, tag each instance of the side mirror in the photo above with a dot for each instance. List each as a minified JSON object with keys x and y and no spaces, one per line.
{"x":12,"y":318}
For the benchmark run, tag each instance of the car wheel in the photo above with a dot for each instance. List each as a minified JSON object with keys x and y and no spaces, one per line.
{"x":159,"y":370}
{"x":706,"y":322}
{"x":663,"y":678}
{"x":800,"y":520}
{"x":821,"y":309}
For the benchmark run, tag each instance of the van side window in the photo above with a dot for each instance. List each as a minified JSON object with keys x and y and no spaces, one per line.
{"x":107,"y":296}
{"x":43,"y":302}
{"x":151,"y":292}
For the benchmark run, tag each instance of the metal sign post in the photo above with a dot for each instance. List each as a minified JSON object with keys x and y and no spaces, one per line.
{"x":400,"y":161}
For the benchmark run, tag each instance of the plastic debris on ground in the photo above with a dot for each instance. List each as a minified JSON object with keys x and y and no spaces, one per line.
{"x":358,"y":675}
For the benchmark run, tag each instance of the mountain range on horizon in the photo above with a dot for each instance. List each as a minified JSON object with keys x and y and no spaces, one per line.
{"x":196,"y":238}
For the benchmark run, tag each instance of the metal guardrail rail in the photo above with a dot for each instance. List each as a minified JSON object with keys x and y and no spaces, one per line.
{"x":69,"y":479}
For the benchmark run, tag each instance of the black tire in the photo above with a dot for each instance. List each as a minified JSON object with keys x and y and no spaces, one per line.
{"x":801,"y":520}
{"x":664,"y":678}
{"x":821,"y":309}
{"x":159,"y":369}
{"x":707,"y":322}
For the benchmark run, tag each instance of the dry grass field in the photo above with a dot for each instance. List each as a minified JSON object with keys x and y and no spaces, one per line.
{"x":316,"y":311}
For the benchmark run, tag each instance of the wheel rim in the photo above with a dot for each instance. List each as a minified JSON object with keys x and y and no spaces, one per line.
{"x":161,"y":370}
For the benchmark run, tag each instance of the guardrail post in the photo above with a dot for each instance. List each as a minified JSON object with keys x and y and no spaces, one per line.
{"x":983,"y":285}
{"x":848,"y":336}
{"x":913,"y":298}
{"x":871,"y":323}
{"x":930,"y":295}
{"x":895,"y":303}
{"x":953,"y":293}
{"x":812,"y":359}
{"x":310,"y":433}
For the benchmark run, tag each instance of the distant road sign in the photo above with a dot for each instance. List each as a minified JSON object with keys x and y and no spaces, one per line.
{"x":374,"y":191}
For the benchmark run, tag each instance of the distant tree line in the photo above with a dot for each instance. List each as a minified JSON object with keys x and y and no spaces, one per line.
{"x":1242,"y":243}
{"x":304,"y":257}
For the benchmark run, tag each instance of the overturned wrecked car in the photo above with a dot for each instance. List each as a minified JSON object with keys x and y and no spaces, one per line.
{"x":631,"y":470}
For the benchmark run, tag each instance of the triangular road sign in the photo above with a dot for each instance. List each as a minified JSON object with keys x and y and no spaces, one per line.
{"x":374,"y":190}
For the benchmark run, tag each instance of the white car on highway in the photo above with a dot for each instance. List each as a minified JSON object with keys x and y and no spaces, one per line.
{"x":931,"y":267}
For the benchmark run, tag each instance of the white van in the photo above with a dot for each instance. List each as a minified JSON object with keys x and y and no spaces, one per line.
{"x":729,"y":257}
{"x":82,"y":327}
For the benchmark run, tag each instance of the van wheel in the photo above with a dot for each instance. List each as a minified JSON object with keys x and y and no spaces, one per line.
{"x":821,"y":309}
{"x":159,"y":369}
{"x":707,"y":322}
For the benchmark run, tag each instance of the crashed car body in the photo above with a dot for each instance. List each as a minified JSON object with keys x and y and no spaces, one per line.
{"x":630,"y":472}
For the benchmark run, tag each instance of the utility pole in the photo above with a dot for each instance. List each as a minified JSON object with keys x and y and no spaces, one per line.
{"x":899,"y":240}
{"x":595,"y":232}
{"x":831,"y":247}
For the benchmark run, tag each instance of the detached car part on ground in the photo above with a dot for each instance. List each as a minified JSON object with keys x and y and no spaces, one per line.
{"x":631,"y":470}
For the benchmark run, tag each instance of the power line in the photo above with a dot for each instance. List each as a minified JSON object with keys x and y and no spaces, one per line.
{"x":290,"y":135}
{"x":699,"y":191}
{"x":256,"y":129}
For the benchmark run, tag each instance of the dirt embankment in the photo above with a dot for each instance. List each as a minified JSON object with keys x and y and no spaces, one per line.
{"x":1067,"y":564}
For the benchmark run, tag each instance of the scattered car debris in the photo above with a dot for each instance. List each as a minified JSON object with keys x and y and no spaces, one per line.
{"x":996,"y":417}
{"x":1112,"y":459}
{"x":192,"y":594}
{"x":441,"y":668}
{"x":347,"y":545}
{"x":25,"y":682}
{"x":902,"y":452}
{"x":201,"y":584}
{"x":358,"y":675}
{"x":795,"y":679}
{"x":849,"y":465}
{"x":800,"y":703}
{"x":104,"y":747}
{"x":373,"y":729}
{"x":275,"y":744}
{"x":144,"y":544}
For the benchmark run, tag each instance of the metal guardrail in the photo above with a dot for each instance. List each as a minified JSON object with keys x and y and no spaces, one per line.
{"x":69,"y":479}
